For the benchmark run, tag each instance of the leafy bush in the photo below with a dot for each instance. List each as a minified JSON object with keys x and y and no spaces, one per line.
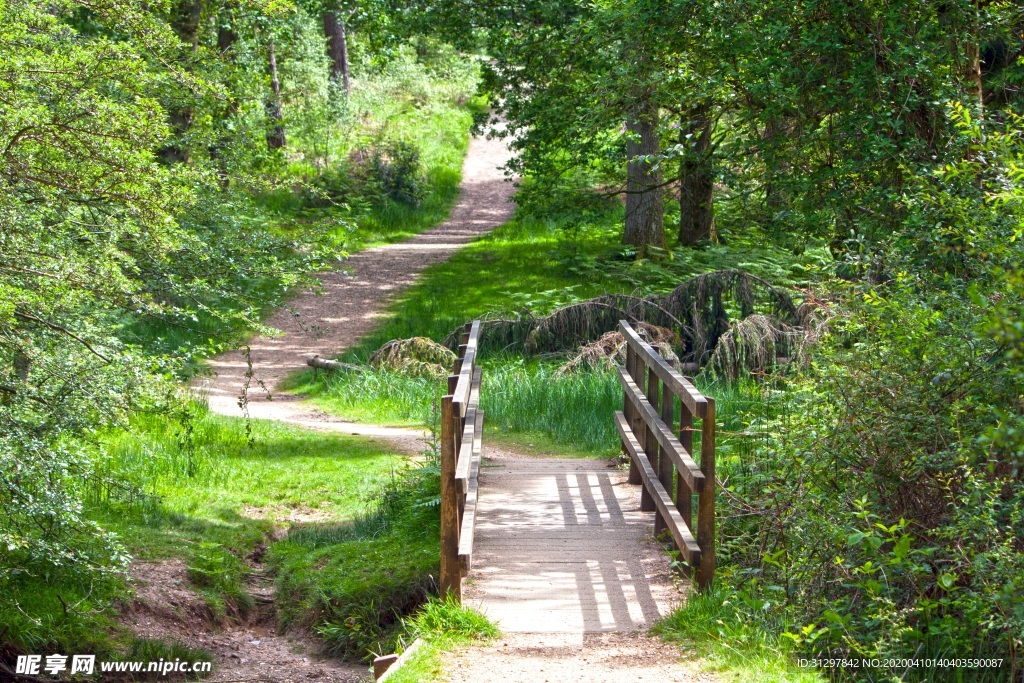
{"x":395,"y":165}
{"x":882,"y":514}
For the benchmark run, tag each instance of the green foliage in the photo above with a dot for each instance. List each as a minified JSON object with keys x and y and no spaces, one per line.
{"x":446,"y":619}
{"x":886,"y":485}
{"x":353,"y":585}
{"x":192,"y":487}
{"x":736,"y":633}
{"x":145,"y":225}
{"x":443,"y":625}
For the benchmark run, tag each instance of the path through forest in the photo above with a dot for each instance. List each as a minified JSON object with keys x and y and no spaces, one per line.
{"x":352,"y":299}
{"x":350,"y":305}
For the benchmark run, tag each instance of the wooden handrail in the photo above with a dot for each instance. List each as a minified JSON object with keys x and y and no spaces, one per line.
{"x":681,"y":457}
{"x":681,"y":387}
{"x":470,"y":435}
{"x":464,"y":369}
{"x":650,"y":386}
{"x":678,"y":528}
{"x":466,"y":533}
{"x":461,"y":446}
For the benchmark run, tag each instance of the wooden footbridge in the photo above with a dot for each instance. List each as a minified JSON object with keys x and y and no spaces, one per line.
{"x":565,"y":545}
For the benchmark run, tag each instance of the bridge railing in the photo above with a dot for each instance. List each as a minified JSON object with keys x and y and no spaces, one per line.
{"x":462,"y":424}
{"x":661,"y":456}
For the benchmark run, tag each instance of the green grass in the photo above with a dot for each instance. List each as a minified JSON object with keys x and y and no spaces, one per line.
{"x":353,"y":584}
{"x":731,"y":641}
{"x":443,"y":625}
{"x":527,"y":406}
{"x":204,"y":467}
{"x":208,"y":498}
{"x":211,"y":498}
{"x":508,"y":269}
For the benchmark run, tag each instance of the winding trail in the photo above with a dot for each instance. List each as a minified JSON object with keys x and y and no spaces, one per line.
{"x":349,"y":304}
{"x":327,"y":322}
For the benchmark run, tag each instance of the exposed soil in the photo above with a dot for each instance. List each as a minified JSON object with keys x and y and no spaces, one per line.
{"x":243,"y":649}
{"x":569,"y":658}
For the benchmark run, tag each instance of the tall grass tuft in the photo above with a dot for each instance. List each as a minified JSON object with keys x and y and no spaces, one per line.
{"x":576,"y":410}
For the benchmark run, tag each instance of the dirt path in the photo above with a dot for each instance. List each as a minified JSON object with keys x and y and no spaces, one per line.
{"x":590,"y":593}
{"x":574,"y":658}
{"x":352,"y":299}
{"x":349,"y":306}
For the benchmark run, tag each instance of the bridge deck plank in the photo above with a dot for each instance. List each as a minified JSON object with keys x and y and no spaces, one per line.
{"x":562,"y":547}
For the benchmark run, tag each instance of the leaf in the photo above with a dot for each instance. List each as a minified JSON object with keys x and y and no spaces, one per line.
{"x":901,"y":548}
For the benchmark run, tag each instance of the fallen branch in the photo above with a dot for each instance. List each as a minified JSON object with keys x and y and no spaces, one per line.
{"x":324,"y":364}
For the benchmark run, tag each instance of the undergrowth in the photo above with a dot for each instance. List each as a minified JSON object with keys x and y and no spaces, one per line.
{"x":731,"y":638}
{"x":191,"y":487}
{"x":353,"y":583}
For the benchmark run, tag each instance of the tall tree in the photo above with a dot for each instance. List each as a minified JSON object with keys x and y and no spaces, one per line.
{"x":335,"y":31}
{"x":275,"y":133}
{"x":696,"y":176}
{"x":645,"y":223}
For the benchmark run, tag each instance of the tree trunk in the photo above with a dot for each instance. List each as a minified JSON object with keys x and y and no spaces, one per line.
{"x":645,"y":224}
{"x":275,"y":134}
{"x":187,"y":16}
{"x":696,"y":176}
{"x":185,"y":21}
{"x":226,"y":38}
{"x":337,"y":50}
{"x":777,"y":198}
{"x":975,"y":84}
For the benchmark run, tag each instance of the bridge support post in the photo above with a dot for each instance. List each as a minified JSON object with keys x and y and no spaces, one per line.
{"x":706,"y":500}
{"x":451,"y":572}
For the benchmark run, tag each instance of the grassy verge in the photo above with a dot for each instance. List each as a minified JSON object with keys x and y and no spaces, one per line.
{"x":443,"y":625}
{"x":353,"y":583}
{"x":194,"y":488}
{"x":725,"y":631}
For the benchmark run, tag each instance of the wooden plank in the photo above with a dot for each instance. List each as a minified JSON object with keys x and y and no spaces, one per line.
{"x":681,"y":387}
{"x":460,"y":401}
{"x":324,"y":364}
{"x":451,"y":574}
{"x":639,"y":376}
{"x":651,"y":447}
{"x":681,"y":458}
{"x":465,"y":461}
{"x":401,"y":661}
{"x":467,"y":533}
{"x":706,"y":501}
{"x":684,"y":496}
{"x":628,"y":410}
{"x":463,"y":386}
{"x":674,"y":522}
{"x":469,"y":434}
{"x":666,"y":468}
